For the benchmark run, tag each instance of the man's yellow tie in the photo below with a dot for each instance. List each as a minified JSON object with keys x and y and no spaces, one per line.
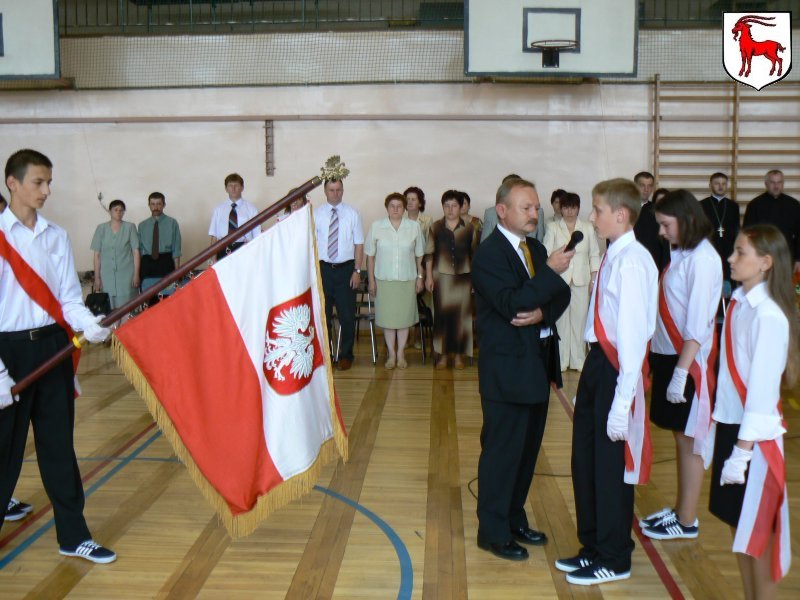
{"x":526,"y":252}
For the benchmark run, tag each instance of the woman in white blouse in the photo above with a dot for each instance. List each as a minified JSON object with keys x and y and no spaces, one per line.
{"x":579,"y":275}
{"x":759,"y":345}
{"x":394,"y":249}
{"x":682,"y":354}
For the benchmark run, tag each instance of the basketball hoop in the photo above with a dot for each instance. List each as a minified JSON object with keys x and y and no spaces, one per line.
{"x":550,"y":50}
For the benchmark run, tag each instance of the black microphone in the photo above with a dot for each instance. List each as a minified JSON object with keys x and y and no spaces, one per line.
{"x":576,"y":237}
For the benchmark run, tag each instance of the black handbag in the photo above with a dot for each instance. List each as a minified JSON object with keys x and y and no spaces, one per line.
{"x":99,"y":303}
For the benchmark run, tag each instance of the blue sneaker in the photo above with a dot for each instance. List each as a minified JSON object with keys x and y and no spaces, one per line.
{"x":17,"y":510}
{"x":656,"y":517}
{"x":671,"y":529}
{"x":90,"y":550}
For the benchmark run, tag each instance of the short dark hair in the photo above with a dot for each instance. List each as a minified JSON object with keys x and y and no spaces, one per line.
{"x":571,"y":201}
{"x":643,"y":175}
{"x":453,"y":195}
{"x":234,"y":177}
{"x":420,"y":194}
{"x":115,"y":203}
{"x":395,"y":196}
{"x":156,"y":196}
{"x":693,"y":224}
{"x":18,"y":163}
{"x":559,"y":195}
{"x":467,"y":199}
{"x":510,"y":176}
{"x":327,"y":181}
{"x":717,"y":175}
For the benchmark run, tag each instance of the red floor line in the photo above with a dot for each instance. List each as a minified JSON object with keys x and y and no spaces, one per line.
{"x":34,"y":517}
{"x":652,"y":553}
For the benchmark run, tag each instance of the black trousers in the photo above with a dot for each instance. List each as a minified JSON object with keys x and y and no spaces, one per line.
{"x":48,"y":404}
{"x":336,"y":285}
{"x":510,"y":441}
{"x":603,"y":501}
{"x":160,"y":267}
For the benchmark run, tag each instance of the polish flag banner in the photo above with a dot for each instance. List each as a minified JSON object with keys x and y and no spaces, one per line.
{"x":235,"y":371}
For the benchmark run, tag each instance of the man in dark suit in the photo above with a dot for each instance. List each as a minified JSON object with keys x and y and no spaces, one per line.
{"x":518,"y":296}
{"x":646,"y":229}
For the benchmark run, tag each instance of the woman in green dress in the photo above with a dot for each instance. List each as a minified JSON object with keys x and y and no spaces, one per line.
{"x":116,"y":256}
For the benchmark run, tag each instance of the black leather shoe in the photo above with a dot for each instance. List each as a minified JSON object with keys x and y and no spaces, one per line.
{"x":509,"y":550}
{"x":526,"y":535}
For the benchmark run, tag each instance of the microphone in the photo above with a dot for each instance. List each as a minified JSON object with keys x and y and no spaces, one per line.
{"x":576,"y":237}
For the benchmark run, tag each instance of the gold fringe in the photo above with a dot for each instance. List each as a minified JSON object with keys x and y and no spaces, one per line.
{"x":236,"y":525}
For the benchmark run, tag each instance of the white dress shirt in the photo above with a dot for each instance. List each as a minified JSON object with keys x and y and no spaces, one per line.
{"x":515,"y":240}
{"x":628,"y":286}
{"x":760,"y":336}
{"x":244,"y":212}
{"x":47,"y":250}
{"x":693,"y":285}
{"x":351,"y":231}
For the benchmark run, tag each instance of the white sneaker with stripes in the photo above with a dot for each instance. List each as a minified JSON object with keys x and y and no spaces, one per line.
{"x":671,"y":529}
{"x":655,"y":518}
{"x":90,"y":550}
{"x":596,"y":573}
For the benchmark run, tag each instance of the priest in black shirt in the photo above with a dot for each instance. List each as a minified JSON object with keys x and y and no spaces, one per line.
{"x":776,"y":208}
{"x":723,"y":213}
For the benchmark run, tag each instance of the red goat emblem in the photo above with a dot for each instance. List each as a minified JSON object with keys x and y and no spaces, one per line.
{"x":750,"y":48}
{"x":777,"y":50}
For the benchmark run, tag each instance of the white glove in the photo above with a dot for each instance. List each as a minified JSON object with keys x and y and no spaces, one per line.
{"x":734,"y":468}
{"x":617,"y":427}
{"x":94,"y":333}
{"x":6,"y":383}
{"x":677,"y":386}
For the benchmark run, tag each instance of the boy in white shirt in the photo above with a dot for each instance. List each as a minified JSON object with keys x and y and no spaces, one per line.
{"x":610,"y":442}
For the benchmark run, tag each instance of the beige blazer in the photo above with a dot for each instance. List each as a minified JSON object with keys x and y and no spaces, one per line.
{"x":587,"y":252}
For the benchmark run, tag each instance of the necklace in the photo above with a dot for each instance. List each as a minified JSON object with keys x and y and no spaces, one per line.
{"x":720,"y":229}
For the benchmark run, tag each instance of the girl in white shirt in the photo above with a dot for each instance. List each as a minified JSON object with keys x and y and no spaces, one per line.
{"x":683,"y":353}
{"x":759,"y":345}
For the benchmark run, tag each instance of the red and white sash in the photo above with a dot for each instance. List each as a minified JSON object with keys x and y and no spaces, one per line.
{"x":765,"y":508}
{"x":700,"y":422}
{"x":638,"y":446}
{"x":38,"y":291}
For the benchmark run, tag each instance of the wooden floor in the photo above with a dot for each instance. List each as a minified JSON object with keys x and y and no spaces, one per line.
{"x":397,"y":521}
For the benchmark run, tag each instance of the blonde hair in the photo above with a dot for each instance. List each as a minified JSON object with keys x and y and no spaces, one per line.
{"x":620,"y":193}
{"x":767,"y":240}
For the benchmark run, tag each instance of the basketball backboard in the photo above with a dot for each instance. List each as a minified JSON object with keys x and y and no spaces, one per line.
{"x":28,"y":39}
{"x":517,"y":38}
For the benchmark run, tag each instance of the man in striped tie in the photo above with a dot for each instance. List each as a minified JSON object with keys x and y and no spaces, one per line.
{"x":232,"y":214}
{"x":340,"y":245}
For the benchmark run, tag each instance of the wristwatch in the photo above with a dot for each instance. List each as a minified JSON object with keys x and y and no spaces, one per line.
{"x":358,"y":271}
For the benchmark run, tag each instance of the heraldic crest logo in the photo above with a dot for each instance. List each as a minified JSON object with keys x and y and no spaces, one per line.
{"x":757,"y":48}
{"x":292,"y":348}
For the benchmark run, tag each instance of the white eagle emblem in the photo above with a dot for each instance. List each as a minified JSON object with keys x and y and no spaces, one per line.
{"x":292,"y":345}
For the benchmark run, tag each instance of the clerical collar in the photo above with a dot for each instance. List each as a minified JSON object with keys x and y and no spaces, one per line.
{"x":718,"y":198}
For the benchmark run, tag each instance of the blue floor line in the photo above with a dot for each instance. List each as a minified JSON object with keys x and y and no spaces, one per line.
{"x":46,"y":526}
{"x":406,"y":569}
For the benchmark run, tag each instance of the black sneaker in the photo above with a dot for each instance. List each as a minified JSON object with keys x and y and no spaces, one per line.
{"x":17,"y":510}
{"x":90,"y":551}
{"x":671,"y":529}
{"x":568,"y":565}
{"x":656,"y":518}
{"x":596,"y":573}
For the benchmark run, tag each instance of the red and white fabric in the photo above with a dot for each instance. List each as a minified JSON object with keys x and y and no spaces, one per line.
{"x":623,"y":307}
{"x":238,"y":364}
{"x":688,"y":297}
{"x":765,"y":508}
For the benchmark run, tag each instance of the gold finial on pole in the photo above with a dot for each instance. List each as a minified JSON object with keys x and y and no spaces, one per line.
{"x":334,"y":169}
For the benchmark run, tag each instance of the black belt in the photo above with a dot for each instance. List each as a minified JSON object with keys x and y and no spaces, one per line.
{"x":337,"y":265}
{"x":593,"y":345}
{"x":31,"y":334}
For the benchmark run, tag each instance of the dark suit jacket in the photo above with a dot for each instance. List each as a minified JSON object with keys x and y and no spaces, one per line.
{"x":511,"y":367}
{"x":646,"y":231}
